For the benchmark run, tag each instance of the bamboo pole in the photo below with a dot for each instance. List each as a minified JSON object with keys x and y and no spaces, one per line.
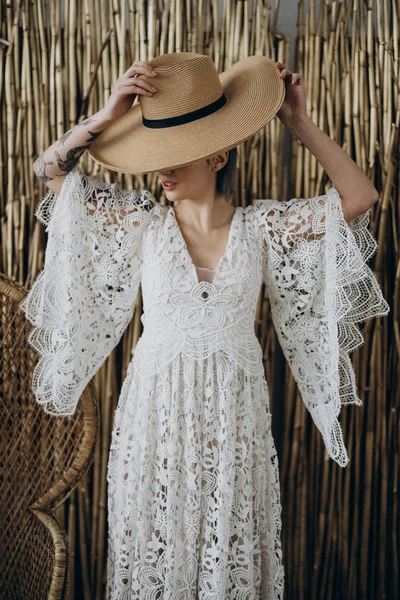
{"x":338,"y":525}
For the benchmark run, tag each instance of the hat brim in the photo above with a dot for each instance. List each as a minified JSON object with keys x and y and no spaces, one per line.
{"x":254,"y":91}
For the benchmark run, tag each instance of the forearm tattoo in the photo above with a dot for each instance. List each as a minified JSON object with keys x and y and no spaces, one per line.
{"x":72,"y":158}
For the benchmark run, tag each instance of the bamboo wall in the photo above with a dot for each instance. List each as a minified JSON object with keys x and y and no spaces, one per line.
{"x":59,"y":63}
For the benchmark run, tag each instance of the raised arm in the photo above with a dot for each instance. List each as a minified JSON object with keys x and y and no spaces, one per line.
{"x":54,"y":164}
{"x":358,"y":194}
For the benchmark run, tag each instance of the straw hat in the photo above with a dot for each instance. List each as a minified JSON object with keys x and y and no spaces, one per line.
{"x":194,"y":114}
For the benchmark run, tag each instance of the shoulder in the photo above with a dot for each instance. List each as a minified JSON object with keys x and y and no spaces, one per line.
{"x":277,"y":213}
{"x":157,"y":214}
{"x":267,"y":205}
{"x":268,"y":216}
{"x":257,"y":209}
{"x":141,"y":199}
{"x":96,"y":189}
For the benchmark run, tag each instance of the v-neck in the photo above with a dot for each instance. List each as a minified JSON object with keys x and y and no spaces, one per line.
{"x":187,"y":253}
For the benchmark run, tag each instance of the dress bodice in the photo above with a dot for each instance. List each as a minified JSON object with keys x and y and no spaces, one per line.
{"x":182,"y":311}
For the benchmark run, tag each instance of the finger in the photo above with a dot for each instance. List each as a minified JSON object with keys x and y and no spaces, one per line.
{"x":296,"y":78}
{"x":280,"y":65}
{"x":142,"y":63}
{"x":142,"y":83}
{"x":285,"y":73}
{"x":145,"y":69}
{"x":139,"y":67}
{"x":149,"y":67}
{"x":138,"y":85}
{"x":143,"y":87}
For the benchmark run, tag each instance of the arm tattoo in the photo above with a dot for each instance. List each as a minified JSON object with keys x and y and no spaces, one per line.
{"x":94,"y":134}
{"x":40,"y":164}
{"x":66,"y":165}
{"x":72,"y":158}
{"x":64,"y":138}
{"x":73,"y":155}
{"x":86,"y":123}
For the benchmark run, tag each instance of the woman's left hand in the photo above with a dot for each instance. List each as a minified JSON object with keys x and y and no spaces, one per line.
{"x":293,"y":109}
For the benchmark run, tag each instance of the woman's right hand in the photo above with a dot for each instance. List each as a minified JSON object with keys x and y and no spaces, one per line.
{"x":127,"y":87}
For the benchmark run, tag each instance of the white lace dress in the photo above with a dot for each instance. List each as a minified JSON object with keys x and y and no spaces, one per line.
{"x":193,"y":481}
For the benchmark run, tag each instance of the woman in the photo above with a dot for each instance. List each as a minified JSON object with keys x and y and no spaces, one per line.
{"x":193,"y":481}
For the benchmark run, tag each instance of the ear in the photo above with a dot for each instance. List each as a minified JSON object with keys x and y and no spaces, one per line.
{"x":220,"y":160}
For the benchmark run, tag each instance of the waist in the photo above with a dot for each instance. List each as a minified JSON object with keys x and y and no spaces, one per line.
{"x":162,"y":340}
{"x":198,"y":324}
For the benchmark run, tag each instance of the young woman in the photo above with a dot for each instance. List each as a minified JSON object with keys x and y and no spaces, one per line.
{"x":193,"y":481}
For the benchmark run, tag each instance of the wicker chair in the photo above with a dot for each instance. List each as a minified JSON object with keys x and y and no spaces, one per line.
{"x":42,"y":459}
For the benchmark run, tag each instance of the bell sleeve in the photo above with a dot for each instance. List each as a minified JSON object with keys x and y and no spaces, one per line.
{"x":83,"y":299}
{"x":319,"y":284}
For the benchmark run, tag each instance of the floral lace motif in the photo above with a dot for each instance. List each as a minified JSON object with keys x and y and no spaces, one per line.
{"x":194,"y":495}
{"x":193,"y":311}
{"x":196,"y":408}
{"x":319,"y":287}
{"x":193,"y":480}
{"x":199,"y":318}
{"x":83,"y":299}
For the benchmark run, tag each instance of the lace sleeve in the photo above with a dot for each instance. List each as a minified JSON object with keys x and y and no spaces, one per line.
{"x":83,"y":299}
{"x":319,"y":285}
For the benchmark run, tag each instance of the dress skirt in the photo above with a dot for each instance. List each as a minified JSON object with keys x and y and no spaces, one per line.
{"x":193,"y":486}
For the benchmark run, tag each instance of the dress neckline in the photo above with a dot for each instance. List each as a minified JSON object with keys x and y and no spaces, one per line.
{"x":205,"y":269}
{"x":186,"y":251}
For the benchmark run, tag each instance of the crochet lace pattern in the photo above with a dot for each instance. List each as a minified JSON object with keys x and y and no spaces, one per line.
{"x":193,"y":477}
{"x":319,"y":287}
{"x":83,"y":299}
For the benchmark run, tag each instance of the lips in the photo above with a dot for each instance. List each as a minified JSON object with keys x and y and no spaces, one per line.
{"x":172,"y":182}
